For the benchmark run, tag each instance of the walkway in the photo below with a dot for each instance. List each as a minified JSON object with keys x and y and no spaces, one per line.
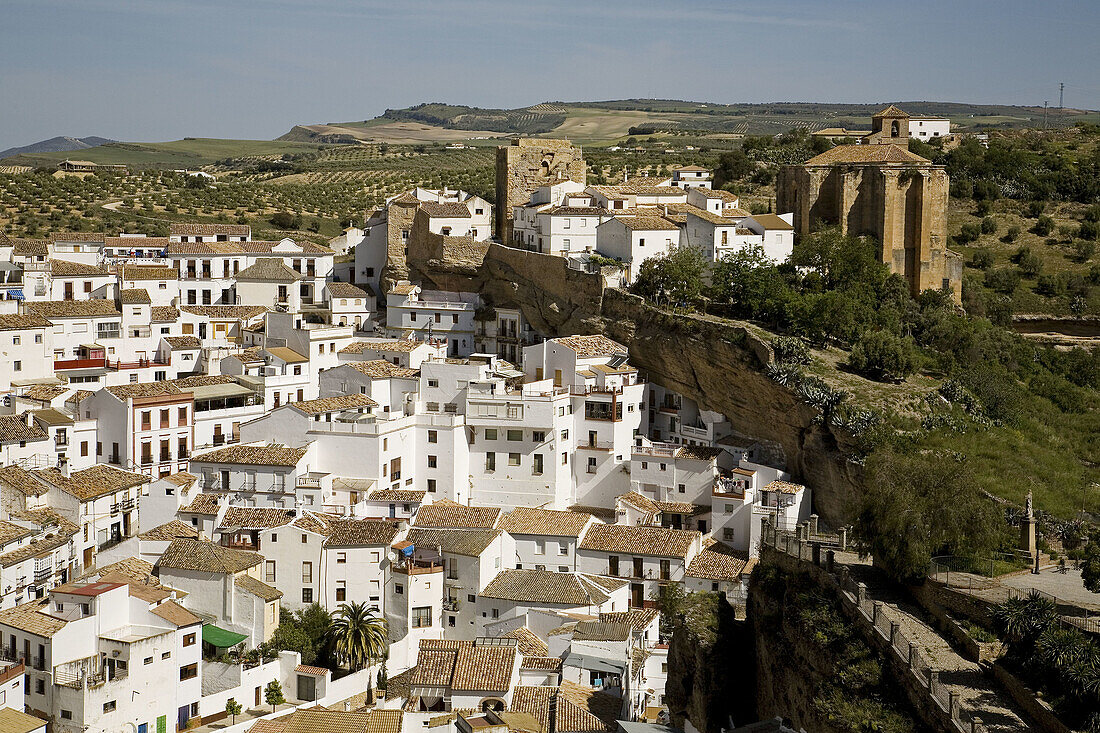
{"x":978,"y":693}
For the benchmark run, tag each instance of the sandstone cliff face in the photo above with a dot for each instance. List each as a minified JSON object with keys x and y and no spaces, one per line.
{"x":717,"y":363}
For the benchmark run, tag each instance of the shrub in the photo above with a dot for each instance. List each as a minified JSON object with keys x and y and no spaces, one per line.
{"x":983,"y":259}
{"x":1089,"y":230}
{"x":883,"y":356}
{"x":791,"y":350}
{"x":983,"y":208}
{"x":1043,"y":226}
{"x":1011,"y":234}
{"x":1050,"y":285}
{"x":1034,"y":209}
{"x":1003,"y":280}
{"x":989,"y":225}
{"x":286,"y":220}
{"x":968,"y":233}
{"x":1084,"y":249}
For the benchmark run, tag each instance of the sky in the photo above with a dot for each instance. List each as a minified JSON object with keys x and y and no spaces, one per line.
{"x":152,"y":70}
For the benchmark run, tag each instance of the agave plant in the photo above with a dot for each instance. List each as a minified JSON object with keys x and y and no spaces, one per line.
{"x":1023,"y":620}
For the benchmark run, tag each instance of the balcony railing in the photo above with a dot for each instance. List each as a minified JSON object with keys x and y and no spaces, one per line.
{"x":604,"y":445}
{"x":64,"y":364}
{"x":450,"y":605}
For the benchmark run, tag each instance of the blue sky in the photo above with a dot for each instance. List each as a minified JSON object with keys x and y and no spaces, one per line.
{"x":163,"y":69}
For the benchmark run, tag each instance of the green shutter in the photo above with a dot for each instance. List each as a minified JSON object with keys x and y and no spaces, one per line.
{"x":162,"y":724}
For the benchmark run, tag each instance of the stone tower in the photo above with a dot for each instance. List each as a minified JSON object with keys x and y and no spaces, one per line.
{"x":880,"y":189}
{"x":527,"y":164}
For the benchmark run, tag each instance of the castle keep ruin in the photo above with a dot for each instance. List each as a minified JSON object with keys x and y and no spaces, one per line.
{"x":527,"y":164}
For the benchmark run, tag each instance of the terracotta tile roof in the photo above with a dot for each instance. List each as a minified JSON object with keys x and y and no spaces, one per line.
{"x":31,"y":617}
{"x":40,"y":546}
{"x":202,"y":504}
{"x":269,"y":726}
{"x":323,"y":720}
{"x":182,"y":478}
{"x":253,"y":455}
{"x":698,"y":452}
{"x":382,"y":369}
{"x":446,"y":210}
{"x":468,"y":542}
{"x":548,"y":664}
{"x":592,"y":345}
{"x":134,"y":569}
{"x":578,"y":211}
{"x":449,"y":514}
{"x":867,"y":154}
{"x":72,"y":308}
{"x":145,"y":389}
{"x":147,"y":593}
{"x":196,"y":229}
{"x":22,"y":480}
{"x":640,"y":502}
{"x":147,"y":272}
{"x":772,"y":221}
{"x":654,"y":541}
{"x":333,"y":404}
{"x":268,"y":269}
{"x":547,"y":522}
{"x":203,"y":555}
{"x":535,"y":701}
{"x":345,"y":290}
{"x":77,"y":237}
{"x":601,"y":631}
{"x":397,"y":495}
{"x":202,"y":380}
{"x":65,"y":268}
{"x":644,"y":188}
{"x":483,"y":668}
{"x":310,"y":522}
{"x":94,"y":481}
{"x":582,"y":709}
{"x":434,"y":667}
{"x":718,"y":562}
{"x":542,"y":586}
{"x":30,"y":247}
{"x":390,"y":346}
{"x":648,"y":223}
{"x":783,"y":487}
{"x":355,"y":532}
{"x":682,"y":507}
{"x":636,"y":619}
{"x":600,"y":512}
{"x":403,"y":288}
{"x":290,"y":356}
{"x":257,"y":588}
{"x":17,"y":322}
{"x":170,"y":531}
{"x":174,"y":613}
{"x":226,"y":312}
{"x":164,"y":313}
{"x":716,"y":219}
{"x":136,"y":242}
{"x":16,"y":721}
{"x":134,"y":296}
{"x":240,"y":517}
{"x":183,"y":343}
{"x":528,"y":642}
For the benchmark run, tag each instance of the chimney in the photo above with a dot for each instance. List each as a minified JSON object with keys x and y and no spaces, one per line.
{"x":63,"y":466}
{"x":28,"y":419}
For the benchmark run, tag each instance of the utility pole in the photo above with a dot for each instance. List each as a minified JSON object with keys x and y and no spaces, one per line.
{"x":1061,"y":92}
{"x":1045,"y":103}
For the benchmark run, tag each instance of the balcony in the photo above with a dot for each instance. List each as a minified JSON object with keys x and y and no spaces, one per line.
{"x":417,"y":567}
{"x":42,"y":574}
{"x":69,"y":364}
{"x":139,"y":364}
{"x":604,"y":445}
{"x":313,"y":480}
{"x":450,"y":604}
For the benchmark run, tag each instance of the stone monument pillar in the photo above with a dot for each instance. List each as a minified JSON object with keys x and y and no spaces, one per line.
{"x":1027,"y":529}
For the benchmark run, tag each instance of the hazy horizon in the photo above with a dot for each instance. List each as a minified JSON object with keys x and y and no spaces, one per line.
{"x":154,"y":71}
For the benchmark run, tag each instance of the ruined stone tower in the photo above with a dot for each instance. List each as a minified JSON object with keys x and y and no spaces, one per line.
{"x":527,"y":164}
{"x":880,"y":189}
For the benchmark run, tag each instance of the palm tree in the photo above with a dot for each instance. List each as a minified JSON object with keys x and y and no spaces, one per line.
{"x":358,"y":635}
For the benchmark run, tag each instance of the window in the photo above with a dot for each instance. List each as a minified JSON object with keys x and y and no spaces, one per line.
{"x":305,"y":539}
{"x":515,"y":435}
{"x":307,"y":595}
{"x":592,"y":465}
{"x":109,"y":706}
{"x":189,"y":639}
{"x":398,"y":589}
{"x":421,"y":617}
{"x":341,"y":558}
{"x":146,"y":420}
{"x":565,"y":459}
{"x":66,"y":714}
{"x":538,"y":436}
{"x":148,"y":660}
{"x":540,"y":547}
{"x":40,"y":686}
{"x":189,"y":671}
{"x":727,"y":534}
{"x":490,"y":433}
{"x":681,"y":488}
{"x":513,"y":459}
{"x":307,"y":572}
{"x":563,"y":548}
{"x":17,"y":365}
{"x":490,"y":461}
{"x":536,"y":466}
{"x":15,"y":340}
{"x":565,"y":435}
{"x":433,"y":436}
{"x":166,"y":655}
{"x":433,"y":383}
{"x":269,"y":570}
{"x":431,"y":486}
{"x":341,"y":591}
{"x":431,"y":461}
{"x":182,"y":415}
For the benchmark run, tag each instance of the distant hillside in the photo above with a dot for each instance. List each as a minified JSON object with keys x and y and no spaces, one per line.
{"x":601,"y":122}
{"x":56,"y":145}
{"x":190,"y":152}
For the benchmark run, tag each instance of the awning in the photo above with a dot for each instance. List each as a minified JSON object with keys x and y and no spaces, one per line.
{"x":219,"y":391}
{"x":220,"y":638}
{"x":16,"y":294}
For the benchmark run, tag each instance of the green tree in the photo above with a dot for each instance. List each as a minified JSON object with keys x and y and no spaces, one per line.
{"x":1090,"y":564}
{"x":919,"y":505}
{"x":273,"y":694}
{"x":675,"y":278}
{"x":883,"y":356}
{"x":358,"y":635}
{"x":233,"y":709}
{"x":305,"y":631}
{"x":733,"y":166}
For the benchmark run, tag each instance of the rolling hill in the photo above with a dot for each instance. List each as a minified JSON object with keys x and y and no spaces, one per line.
{"x":56,"y":145}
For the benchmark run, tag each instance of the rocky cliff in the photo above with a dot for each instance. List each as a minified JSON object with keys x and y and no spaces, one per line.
{"x":718,"y":363}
